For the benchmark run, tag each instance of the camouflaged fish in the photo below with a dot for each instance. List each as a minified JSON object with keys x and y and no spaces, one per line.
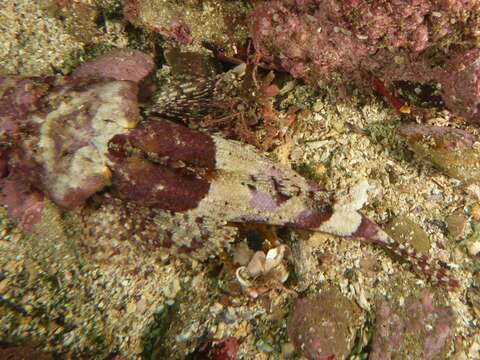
{"x":87,"y":134}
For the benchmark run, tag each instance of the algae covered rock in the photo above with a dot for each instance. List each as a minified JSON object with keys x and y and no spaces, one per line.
{"x":460,"y":80}
{"x":453,"y":151}
{"x":416,"y":329}
{"x":119,"y":64}
{"x":405,"y":230}
{"x":419,"y":41}
{"x":456,"y":226}
{"x":324,"y":326}
{"x":221,"y":23}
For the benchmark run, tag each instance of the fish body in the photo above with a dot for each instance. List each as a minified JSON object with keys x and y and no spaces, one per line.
{"x":211,"y":180}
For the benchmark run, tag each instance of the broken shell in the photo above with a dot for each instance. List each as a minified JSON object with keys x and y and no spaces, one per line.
{"x":473,"y":248}
{"x":241,"y":275}
{"x":274,"y":257}
{"x":256,"y":266}
{"x":279,"y":273}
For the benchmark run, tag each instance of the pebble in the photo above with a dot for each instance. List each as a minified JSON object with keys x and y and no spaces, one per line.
{"x":473,"y":248}
{"x":288,"y":349}
{"x":456,"y":224}
{"x":263,"y":346}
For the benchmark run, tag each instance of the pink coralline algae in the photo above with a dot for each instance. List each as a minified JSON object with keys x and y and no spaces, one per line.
{"x":24,"y":202}
{"x":419,"y":41}
{"x":322,"y":327}
{"x":460,"y":81}
{"x":119,"y":64}
{"x":19,"y":97}
{"x":84,"y":135}
{"x":419,"y":329}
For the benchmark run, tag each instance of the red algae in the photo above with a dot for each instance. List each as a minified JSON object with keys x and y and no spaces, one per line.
{"x":413,"y":41}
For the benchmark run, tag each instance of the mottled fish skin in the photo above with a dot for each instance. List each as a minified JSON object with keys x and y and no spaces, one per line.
{"x":195,"y":183}
{"x":204,"y":176}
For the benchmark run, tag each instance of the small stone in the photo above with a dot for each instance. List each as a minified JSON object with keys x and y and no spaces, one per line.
{"x":339,"y":126}
{"x":405,"y":230}
{"x":453,"y":151}
{"x":456,"y":224}
{"x":324,"y":326}
{"x":173,"y":288}
{"x":320,"y":170}
{"x":4,"y":284}
{"x":318,"y":106}
{"x":264,"y":346}
{"x":473,"y":248}
{"x":473,"y":242}
{"x":288,"y":349}
{"x":399,"y":60}
{"x":476,"y":211}
{"x":473,"y":296}
{"x":131,"y":307}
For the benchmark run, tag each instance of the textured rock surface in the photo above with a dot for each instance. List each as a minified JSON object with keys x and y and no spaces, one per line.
{"x":418,"y":329}
{"x":223,"y":24}
{"x":324,"y":326}
{"x":451,"y":150}
{"x":411,"y":41}
{"x":120,"y":64}
{"x":24,"y":203}
{"x":460,"y":81}
{"x":19,"y":97}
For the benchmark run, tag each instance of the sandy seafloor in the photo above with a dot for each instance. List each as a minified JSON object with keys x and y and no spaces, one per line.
{"x":72,"y":296}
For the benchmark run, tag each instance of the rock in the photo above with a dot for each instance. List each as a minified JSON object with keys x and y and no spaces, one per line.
{"x":456,"y":224}
{"x":460,"y":80}
{"x":324,"y":326}
{"x":120,"y":64}
{"x":319,"y":40}
{"x":418,"y":329}
{"x":405,"y":230}
{"x":453,"y":151}
{"x":223,"y":24}
{"x":473,"y":248}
